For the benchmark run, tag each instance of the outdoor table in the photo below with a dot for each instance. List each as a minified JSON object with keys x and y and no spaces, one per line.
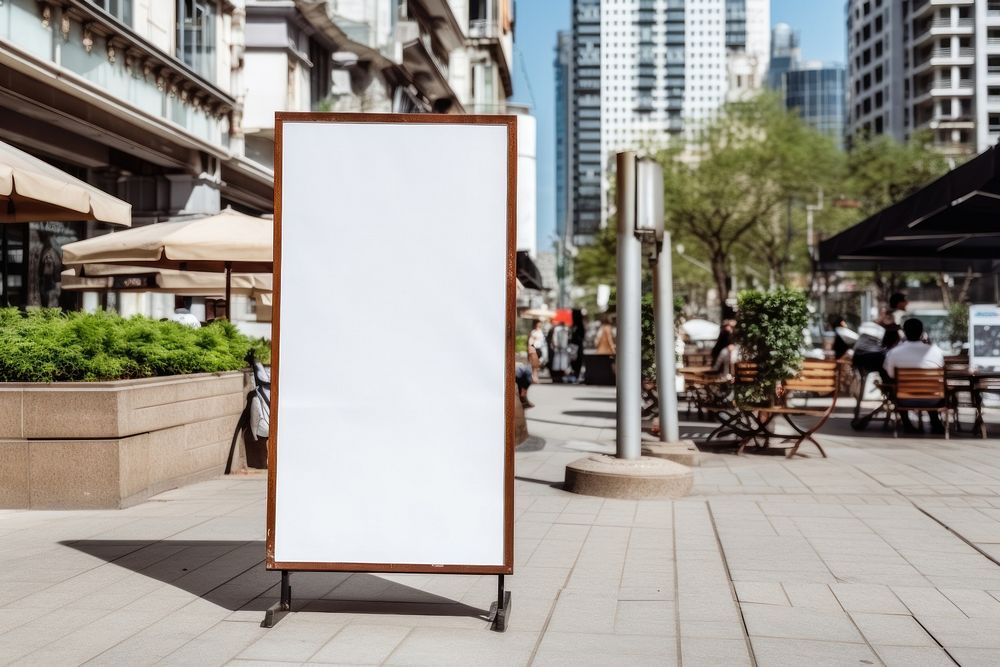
{"x":975,"y":379}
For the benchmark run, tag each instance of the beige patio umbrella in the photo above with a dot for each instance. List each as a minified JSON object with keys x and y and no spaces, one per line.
{"x":32,"y":190}
{"x":228,"y":241}
{"x":114,"y":277}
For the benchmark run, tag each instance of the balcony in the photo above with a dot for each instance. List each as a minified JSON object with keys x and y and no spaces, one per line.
{"x":922,"y":7}
{"x":946,"y":123}
{"x":942,"y":27}
{"x":962,"y":88}
{"x":943,"y":57}
{"x":491,"y":34}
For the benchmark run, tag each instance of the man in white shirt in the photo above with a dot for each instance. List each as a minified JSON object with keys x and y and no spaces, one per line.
{"x":912,"y":353}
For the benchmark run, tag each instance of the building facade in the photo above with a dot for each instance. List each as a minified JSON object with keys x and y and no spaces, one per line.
{"x":646,"y":70}
{"x":817,"y":93}
{"x":169,"y":104}
{"x":785,"y":54}
{"x":925,"y":65}
{"x":138,"y":97}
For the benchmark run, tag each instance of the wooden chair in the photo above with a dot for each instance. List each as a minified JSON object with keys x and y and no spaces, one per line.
{"x":819,"y":379}
{"x":984,"y":386}
{"x":920,"y":390}
{"x":740,"y":418}
{"x":956,"y":384}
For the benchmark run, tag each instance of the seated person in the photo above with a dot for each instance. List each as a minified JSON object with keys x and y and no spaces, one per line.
{"x":869,"y":349}
{"x":843,"y":338}
{"x":523,"y":379}
{"x":913,"y":353}
{"x":724,"y":352}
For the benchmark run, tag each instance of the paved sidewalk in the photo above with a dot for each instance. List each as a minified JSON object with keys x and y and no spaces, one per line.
{"x":885,"y":553}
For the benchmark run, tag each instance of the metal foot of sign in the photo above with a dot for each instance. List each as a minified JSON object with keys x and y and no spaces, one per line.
{"x":284,"y":607}
{"x":500,"y":610}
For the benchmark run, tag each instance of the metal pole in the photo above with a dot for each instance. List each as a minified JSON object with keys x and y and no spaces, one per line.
{"x":629,"y":343}
{"x":666,"y":371}
{"x":229,"y":296}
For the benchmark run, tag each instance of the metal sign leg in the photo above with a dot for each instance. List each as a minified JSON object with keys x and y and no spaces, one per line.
{"x":278,"y":611}
{"x":500,"y":610}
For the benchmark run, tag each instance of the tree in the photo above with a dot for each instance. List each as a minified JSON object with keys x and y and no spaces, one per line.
{"x":883,"y":171}
{"x":725,"y":190}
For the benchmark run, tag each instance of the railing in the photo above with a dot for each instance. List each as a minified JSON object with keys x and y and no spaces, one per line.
{"x":964,"y":52}
{"x":484,"y":29}
{"x":948,"y":23}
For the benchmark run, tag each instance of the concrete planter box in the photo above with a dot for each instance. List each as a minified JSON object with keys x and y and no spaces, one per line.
{"x":86,"y":445}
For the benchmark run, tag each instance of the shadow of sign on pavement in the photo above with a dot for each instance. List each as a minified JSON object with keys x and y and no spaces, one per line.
{"x":231,"y":574}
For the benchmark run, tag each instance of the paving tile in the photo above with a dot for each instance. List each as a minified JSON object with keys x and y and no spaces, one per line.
{"x":713,"y":652}
{"x":927,"y":602}
{"x":915,"y":656}
{"x":645,"y":617}
{"x":869,"y":598}
{"x":817,"y":597}
{"x":792,"y":623}
{"x":963,"y":632}
{"x":976,"y":657}
{"x":563,"y":648}
{"x":761,"y":592}
{"x":794,"y":652}
{"x":359,"y":644}
{"x":892,"y":630}
{"x":974,"y":603}
{"x":583,"y":611}
{"x":447,"y":646}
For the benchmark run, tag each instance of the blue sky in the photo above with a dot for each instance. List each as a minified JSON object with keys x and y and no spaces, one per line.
{"x":820,"y":24}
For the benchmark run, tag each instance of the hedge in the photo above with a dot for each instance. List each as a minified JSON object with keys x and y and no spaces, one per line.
{"x":48,"y":345}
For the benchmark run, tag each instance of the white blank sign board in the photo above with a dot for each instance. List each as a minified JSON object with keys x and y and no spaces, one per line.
{"x":392,"y":422}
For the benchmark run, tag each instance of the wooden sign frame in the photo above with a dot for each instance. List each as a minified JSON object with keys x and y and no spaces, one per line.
{"x":509,"y":390}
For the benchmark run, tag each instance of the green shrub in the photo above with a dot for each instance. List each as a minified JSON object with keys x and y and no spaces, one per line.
{"x":958,"y":323}
{"x":769,"y":331}
{"x":51,"y":346}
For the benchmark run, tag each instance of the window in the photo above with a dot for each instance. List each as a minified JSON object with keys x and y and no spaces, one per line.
{"x":196,"y":35}
{"x":120,"y":9}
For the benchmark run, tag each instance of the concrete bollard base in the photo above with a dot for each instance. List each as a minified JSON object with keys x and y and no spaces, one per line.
{"x":683,"y":451}
{"x":643,"y":478}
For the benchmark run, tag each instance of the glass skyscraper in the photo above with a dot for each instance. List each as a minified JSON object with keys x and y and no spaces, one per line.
{"x":818,"y":94}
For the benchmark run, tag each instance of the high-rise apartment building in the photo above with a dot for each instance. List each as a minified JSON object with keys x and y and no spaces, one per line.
{"x":925,"y":65}
{"x":643,"y":70}
{"x":564,"y":156}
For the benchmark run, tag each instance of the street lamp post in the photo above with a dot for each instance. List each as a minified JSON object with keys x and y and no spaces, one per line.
{"x":649,"y":224}
{"x":628,"y":360}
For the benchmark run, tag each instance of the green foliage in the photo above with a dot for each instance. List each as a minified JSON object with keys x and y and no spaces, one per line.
{"x":958,"y":323}
{"x":51,"y":346}
{"x":521,"y":343}
{"x":769,"y":333}
{"x":881,"y":170}
{"x":727,"y":196}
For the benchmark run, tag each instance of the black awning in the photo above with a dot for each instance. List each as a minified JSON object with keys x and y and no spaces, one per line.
{"x":527,"y":272}
{"x":951,"y":224}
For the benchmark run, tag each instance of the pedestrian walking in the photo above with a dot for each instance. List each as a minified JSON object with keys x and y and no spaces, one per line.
{"x":577,"y":335}
{"x":559,"y":361}
{"x":605,"y":337}
{"x":537,"y":349}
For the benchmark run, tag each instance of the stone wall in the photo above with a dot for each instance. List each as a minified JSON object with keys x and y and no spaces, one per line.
{"x":85,"y":445}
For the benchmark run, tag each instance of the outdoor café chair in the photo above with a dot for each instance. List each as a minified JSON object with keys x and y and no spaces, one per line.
{"x":819,"y":379}
{"x":920,"y":390}
{"x":956,"y":369}
{"x":741,"y":418}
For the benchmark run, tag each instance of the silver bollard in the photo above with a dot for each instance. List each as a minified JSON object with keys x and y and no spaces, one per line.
{"x":629,"y":342}
{"x":666,"y":368}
